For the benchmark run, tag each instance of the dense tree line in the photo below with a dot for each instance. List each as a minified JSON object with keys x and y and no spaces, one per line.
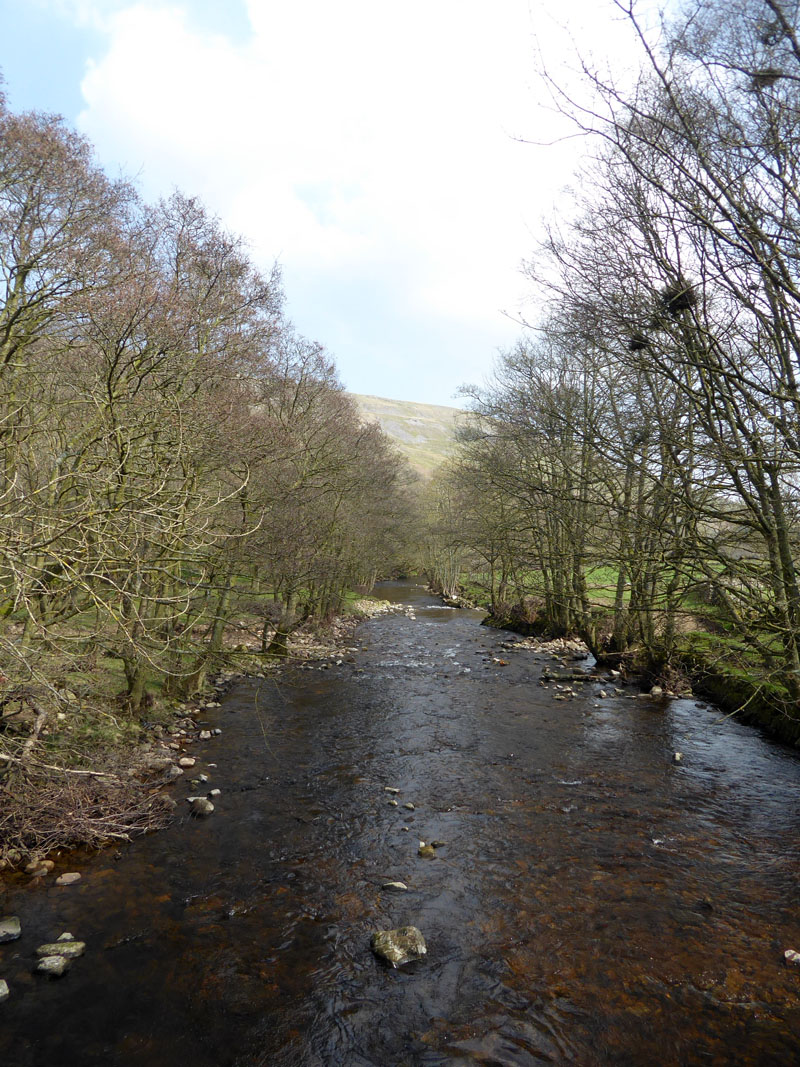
{"x":168,"y":444}
{"x":649,"y":421}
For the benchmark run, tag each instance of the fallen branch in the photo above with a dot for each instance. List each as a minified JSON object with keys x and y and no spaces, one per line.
{"x":5,"y":757}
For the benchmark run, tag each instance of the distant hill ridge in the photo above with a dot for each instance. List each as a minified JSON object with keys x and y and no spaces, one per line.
{"x":424,"y":433}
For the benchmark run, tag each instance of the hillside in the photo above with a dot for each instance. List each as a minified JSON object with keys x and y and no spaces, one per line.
{"x":424,"y":433}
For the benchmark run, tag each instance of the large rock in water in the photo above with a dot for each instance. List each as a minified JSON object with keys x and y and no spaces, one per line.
{"x":399,"y":946}
{"x":10,"y":928}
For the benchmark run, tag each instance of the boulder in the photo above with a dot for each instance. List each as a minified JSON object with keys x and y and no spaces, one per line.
{"x":54,"y":966}
{"x":68,"y":948}
{"x":10,"y":928}
{"x":399,"y":946}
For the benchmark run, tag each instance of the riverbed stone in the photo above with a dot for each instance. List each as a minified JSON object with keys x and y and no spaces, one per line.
{"x":201,"y":806}
{"x":656,"y":691}
{"x":10,"y":928}
{"x":399,"y":946}
{"x":174,"y":772}
{"x":5,"y":992}
{"x":426,"y":851}
{"x":409,"y":806}
{"x":68,"y":879}
{"x":395,"y":887}
{"x":391,"y":789}
{"x":677,"y":757}
{"x":187,"y":761}
{"x":205,"y":735}
{"x":392,"y":803}
{"x":53,"y":966}
{"x":68,"y":948}
{"x":792,"y":957}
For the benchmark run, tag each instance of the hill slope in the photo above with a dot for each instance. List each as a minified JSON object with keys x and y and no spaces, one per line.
{"x":424,"y":433}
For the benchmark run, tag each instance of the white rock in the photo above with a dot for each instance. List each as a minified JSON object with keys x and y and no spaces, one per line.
{"x":391,"y":789}
{"x":53,"y":965}
{"x":205,"y":735}
{"x":66,"y":947}
{"x":656,"y":691}
{"x":215,"y":793}
{"x":187,"y":761}
{"x":792,"y":957}
{"x":409,"y":806}
{"x":392,"y":803}
{"x":677,"y":757}
{"x":395,"y":887}
{"x":10,"y":928}
{"x":68,"y":879}
{"x":5,"y":992}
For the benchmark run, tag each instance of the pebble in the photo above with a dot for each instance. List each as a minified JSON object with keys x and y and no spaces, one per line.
{"x":602,"y":694}
{"x":792,"y":957}
{"x":677,"y":757}
{"x":68,"y":879}
{"x":395,"y":887}
{"x":187,"y":761}
{"x":215,"y":793}
{"x":174,"y":772}
{"x":205,"y":735}
{"x":656,"y":691}
{"x":391,"y":789}
{"x":392,"y":803}
{"x":426,"y":851}
{"x":410,"y":806}
{"x":5,"y":992}
{"x":10,"y":928}
{"x":201,"y":806}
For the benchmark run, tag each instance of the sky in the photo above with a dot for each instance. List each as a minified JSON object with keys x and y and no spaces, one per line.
{"x":397,"y":161}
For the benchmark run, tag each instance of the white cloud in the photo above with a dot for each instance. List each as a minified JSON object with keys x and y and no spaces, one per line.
{"x":352,"y":140}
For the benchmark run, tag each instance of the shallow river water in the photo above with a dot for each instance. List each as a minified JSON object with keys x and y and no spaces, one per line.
{"x":593,"y":902}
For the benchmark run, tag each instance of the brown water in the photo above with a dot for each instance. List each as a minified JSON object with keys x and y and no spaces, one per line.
{"x":593,"y":903}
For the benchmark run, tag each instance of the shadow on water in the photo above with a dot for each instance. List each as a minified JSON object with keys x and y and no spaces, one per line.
{"x":593,"y":903}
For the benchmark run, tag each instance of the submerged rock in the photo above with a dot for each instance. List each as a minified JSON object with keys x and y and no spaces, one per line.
{"x":677,"y":757}
{"x":399,"y":946}
{"x":68,"y":879}
{"x":5,"y":992}
{"x":10,"y":928}
{"x":395,"y":887}
{"x":201,"y":806}
{"x":410,"y":806}
{"x":54,"y":966}
{"x":426,"y":851}
{"x":792,"y":957}
{"x":391,"y":789}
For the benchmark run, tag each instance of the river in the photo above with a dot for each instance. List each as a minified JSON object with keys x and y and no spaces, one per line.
{"x":593,"y":902}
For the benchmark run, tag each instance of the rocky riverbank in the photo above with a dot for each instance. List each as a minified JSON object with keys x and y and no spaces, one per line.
{"x":54,"y":801}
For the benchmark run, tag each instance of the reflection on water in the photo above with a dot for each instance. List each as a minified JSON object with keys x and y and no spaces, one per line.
{"x":592,"y":903}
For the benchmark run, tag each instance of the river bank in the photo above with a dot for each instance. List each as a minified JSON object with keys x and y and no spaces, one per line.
{"x":59,"y":799}
{"x":590,"y":901}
